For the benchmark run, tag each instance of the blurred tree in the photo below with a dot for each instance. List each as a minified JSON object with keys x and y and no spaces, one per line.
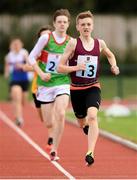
{"x":48,"y":6}
{"x":116,"y":6}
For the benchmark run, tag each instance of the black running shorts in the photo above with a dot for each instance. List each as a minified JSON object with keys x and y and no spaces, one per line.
{"x":23,"y":84}
{"x":36,"y":102}
{"x":83,"y":99}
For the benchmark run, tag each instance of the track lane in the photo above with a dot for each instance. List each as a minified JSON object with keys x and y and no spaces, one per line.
{"x":112,"y":160}
{"x":20,"y":160}
{"x":8,"y":128}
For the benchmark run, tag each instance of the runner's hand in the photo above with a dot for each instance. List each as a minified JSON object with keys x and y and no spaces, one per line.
{"x":81,"y":67}
{"x":45,"y":76}
{"x":115,"y":70}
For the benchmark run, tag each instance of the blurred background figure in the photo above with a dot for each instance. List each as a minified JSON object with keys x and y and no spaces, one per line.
{"x":117,"y":109}
{"x":18,"y":78}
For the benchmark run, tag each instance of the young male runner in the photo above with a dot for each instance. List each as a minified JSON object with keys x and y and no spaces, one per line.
{"x":81,"y":60}
{"x":53,"y":87}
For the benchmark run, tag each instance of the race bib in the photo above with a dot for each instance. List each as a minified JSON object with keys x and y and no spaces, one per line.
{"x":52,"y":63}
{"x":91,"y":66}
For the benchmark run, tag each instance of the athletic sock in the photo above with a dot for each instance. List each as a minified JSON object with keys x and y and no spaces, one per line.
{"x":50,"y":140}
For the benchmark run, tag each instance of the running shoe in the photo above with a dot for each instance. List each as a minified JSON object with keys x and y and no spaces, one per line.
{"x":50,"y":141}
{"x":89,"y":158}
{"x":49,"y":145}
{"x":53,"y":156}
{"x":85,"y":129}
{"x":48,"y":148}
{"x":19,"y":122}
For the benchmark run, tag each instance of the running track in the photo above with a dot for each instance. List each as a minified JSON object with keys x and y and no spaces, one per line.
{"x":23,"y":160}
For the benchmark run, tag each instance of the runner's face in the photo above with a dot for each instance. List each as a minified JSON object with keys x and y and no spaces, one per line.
{"x":61,"y":23}
{"x":85,"y":26}
{"x":16,"y":45}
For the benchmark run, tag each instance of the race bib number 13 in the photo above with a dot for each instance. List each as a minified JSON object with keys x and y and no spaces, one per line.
{"x":91,"y":66}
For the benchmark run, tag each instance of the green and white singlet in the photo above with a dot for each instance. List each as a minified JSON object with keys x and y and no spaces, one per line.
{"x":48,"y":62}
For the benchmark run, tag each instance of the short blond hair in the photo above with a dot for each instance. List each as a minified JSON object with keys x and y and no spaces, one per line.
{"x":83,"y":15}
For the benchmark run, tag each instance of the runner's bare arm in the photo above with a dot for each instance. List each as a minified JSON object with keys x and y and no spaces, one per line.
{"x":68,"y":53}
{"x":6,"y":68}
{"x":110,"y":56}
{"x":27,"y":67}
{"x":24,"y":66}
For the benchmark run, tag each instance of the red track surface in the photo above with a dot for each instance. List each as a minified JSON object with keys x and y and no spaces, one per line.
{"x":18,"y":159}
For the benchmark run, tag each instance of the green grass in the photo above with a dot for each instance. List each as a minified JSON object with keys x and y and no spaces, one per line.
{"x":125,"y":127}
{"x":3,"y":88}
{"x":111,"y":87}
{"x":125,"y":87}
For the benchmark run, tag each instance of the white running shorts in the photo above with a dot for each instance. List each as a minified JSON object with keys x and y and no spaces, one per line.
{"x":49,"y":94}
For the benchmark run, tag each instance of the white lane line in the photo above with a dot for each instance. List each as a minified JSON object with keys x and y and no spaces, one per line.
{"x":8,"y":121}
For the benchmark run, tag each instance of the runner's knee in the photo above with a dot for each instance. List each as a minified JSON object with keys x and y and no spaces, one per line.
{"x":92,"y":117}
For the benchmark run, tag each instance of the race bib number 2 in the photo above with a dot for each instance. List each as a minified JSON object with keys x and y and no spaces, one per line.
{"x":91,"y":66}
{"x":52,"y":63}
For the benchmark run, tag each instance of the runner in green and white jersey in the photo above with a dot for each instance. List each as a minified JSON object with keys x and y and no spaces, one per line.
{"x":53,"y":87}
